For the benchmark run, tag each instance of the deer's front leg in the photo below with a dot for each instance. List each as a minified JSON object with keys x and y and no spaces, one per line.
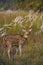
{"x":8,"y":53}
{"x":20,"y":49}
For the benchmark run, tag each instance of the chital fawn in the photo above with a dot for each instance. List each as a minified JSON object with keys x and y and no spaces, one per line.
{"x":16,"y":40}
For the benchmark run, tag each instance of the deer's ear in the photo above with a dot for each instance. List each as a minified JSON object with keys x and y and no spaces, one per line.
{"x":30,"y":30}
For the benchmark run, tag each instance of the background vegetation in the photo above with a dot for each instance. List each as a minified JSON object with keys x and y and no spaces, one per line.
{"x":32,"y":51}
{"x":21,"y":4}
{"x":31,"y":12}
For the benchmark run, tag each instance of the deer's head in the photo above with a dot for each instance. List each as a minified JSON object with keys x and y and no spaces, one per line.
{"x":26,"y":33}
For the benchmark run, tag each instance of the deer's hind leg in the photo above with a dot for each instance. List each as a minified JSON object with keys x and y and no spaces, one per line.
{"x":9,"y":49}
{"x":16,"y":49}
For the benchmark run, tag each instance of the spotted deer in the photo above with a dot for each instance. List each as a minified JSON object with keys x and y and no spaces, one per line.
{"x":15,"y":40}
